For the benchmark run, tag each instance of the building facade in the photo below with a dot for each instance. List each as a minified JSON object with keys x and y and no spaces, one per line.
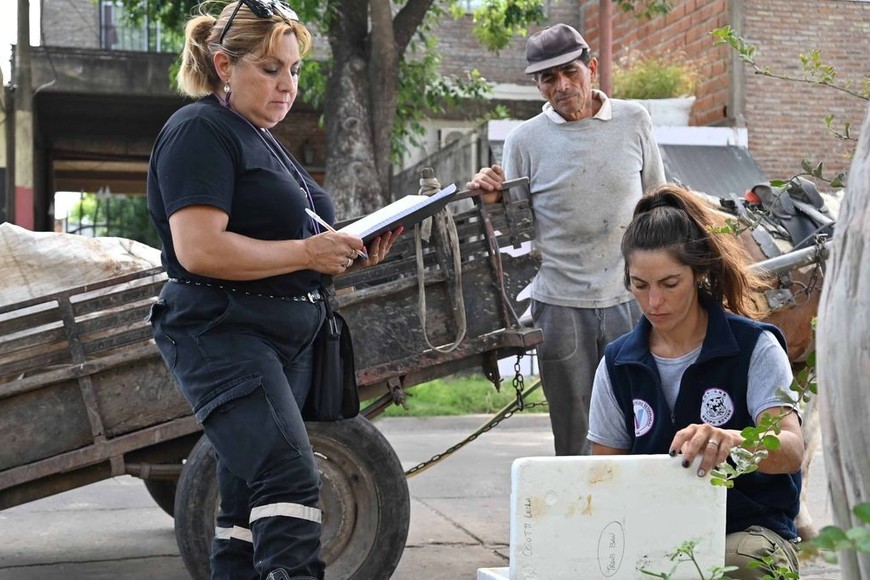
{"x":785,"y":119}
{"x":101,"y":89}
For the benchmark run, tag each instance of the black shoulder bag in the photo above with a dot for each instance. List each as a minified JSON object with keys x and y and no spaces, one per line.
{"x":334,"y":394}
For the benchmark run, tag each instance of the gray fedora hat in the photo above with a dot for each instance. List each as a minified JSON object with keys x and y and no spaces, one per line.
{"x":554,"y":46}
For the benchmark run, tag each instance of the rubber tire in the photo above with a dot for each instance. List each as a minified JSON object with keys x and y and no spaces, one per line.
{"x":162,"y":491}
{"x":196,"y":503}
{"x":364,"y":497}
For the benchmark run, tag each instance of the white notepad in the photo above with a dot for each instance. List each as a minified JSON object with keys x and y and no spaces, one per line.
{"x":405,"y":211}
{"x":608,"y":516}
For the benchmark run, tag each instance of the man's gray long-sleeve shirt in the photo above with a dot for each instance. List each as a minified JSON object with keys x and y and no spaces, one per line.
{"x":585,"y":177}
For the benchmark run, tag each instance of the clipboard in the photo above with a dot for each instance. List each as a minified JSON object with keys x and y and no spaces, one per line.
{"x":406,"y":211}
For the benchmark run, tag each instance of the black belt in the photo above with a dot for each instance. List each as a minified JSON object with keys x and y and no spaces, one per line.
{"x":312,"y":297}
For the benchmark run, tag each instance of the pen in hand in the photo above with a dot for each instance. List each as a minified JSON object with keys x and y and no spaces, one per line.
{"x":360,"y":253}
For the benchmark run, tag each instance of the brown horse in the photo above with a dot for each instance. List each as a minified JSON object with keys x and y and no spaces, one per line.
{"x":792,"y":302}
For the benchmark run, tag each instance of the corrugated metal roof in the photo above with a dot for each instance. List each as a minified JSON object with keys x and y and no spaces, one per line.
{"x":712,"y":169}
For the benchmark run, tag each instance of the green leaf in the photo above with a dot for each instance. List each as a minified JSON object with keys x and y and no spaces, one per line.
{"x":806,"y":165}
{"x":861,"y":539}
{"x":862,"y":512}
{"x":831,"y":538}
{"x":778,"y":183}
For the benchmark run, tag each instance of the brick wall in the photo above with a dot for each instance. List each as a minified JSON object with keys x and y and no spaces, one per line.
{"x":786,"y":119}
{"x":301,"y":129}
{"x":682,"y":31}
{"x":461,"y":51}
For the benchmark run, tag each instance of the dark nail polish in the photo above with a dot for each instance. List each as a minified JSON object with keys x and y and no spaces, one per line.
{"x":686,"y":463}
{"x":672,"y":452}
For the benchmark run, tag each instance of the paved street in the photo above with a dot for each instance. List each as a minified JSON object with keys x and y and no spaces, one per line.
{"x":459,"y":513}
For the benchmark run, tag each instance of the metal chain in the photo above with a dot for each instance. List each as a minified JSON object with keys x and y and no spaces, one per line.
{"x":821,"y":255}
{"x":505,"y":413}
{"x":519,"y":383}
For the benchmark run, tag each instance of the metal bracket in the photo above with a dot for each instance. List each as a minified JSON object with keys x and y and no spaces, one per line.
{"x":780,"y":298}
{"x":489,"y":365}
{"x":397,"y":392}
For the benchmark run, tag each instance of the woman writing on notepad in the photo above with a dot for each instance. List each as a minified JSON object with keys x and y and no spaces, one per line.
{"x":236,"y":321}
{"x":696,"y":370}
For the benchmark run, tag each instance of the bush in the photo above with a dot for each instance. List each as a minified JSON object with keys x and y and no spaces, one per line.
{"x":654,"y":77}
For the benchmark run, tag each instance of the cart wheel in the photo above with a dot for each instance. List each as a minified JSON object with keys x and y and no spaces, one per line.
{"x":196,"y":503}
{"x":163,"y":493}
{"x":364,"y":498}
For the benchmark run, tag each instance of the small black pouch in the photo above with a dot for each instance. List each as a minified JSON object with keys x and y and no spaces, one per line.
{"x":334,"y":394}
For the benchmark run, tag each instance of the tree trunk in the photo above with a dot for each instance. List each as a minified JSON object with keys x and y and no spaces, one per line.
{"x":351,"y":172}
{"x":368,"y":43}
{"x":844,"y":356}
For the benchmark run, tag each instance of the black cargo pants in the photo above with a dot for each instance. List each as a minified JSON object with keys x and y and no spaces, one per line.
{"x":244,"y":364}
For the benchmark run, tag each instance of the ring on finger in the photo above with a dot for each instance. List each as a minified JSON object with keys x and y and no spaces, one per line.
{"x":713,"y":442}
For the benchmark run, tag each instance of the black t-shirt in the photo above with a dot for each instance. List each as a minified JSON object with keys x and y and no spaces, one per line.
{"x":207,"y":154}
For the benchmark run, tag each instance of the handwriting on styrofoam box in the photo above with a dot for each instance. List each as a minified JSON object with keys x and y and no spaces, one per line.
{"x":611,"y":548}
{"x":527,"y":549}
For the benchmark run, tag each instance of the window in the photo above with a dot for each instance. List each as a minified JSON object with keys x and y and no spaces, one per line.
{"x":117,"y":32}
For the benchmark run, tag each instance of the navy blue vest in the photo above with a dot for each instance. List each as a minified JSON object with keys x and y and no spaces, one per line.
{"x":712,"y":390}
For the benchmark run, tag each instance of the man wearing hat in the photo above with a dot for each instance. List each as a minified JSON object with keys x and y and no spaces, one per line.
{"x":589,"y":159}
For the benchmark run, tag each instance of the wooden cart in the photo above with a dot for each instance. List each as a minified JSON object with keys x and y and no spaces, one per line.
{"x":85,"y":396}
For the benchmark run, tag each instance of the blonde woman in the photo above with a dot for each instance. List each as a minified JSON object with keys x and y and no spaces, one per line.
{"x":236,"y":321}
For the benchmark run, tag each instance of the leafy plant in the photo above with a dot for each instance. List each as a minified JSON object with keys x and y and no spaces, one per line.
{"x":655,"y":77}
{"x":434,"y":94}
{"x":124,"y":216}
{"x":646,"y":9}
{"x":832,"y":539}
{"x":499,"y":21}
{"x":685,"y":553}
{"x":758,"y":441}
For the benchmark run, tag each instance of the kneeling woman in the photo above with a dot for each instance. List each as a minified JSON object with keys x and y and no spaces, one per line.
{"x":696,"y":370}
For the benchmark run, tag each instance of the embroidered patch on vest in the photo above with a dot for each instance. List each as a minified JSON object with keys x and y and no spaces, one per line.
{"x":716,"y":407}
{"x":644,"y":417}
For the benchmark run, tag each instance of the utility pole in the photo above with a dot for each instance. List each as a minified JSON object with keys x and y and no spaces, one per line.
{"x":605,"y":50}
{"x":22,"y":103}
{"x":5,"y":146}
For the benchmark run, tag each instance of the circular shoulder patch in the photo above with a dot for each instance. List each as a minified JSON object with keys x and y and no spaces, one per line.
{"x":644,"y":417}
{"x":716,"y":407}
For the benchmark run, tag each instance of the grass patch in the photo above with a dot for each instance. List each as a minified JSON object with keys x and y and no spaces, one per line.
{"x":460,"y":395}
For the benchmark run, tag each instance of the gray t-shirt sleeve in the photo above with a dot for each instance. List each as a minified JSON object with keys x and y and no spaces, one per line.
{"x":606,"y":422}
{"x":769,"y":376}
{"x":653,"y":172}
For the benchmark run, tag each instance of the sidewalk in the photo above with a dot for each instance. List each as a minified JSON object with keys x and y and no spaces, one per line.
{"x":460,"y":513}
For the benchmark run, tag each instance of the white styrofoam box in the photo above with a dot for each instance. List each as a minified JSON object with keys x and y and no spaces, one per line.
{"x":493,"y":573}
{"x":609,"y":516}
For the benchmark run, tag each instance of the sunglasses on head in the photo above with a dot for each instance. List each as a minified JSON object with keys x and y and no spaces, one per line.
{"x":262,"y":9}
